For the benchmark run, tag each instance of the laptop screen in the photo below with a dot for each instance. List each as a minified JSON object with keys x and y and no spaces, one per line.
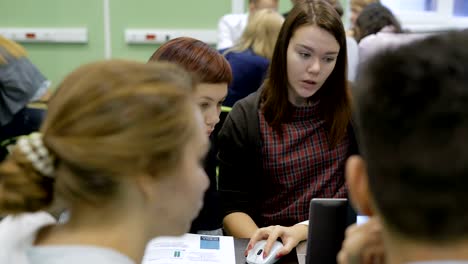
{"x":328,"y":219}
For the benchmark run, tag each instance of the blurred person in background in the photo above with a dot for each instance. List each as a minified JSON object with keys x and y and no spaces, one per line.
{"x":251,"y":56}
{"x":21,"y":82}
{"x":356,"y":7}
{"x":231,"y":26}
{"x":376,"y":18}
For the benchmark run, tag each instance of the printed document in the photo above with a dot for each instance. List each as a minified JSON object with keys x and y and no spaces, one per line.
{"x":190,"y":248}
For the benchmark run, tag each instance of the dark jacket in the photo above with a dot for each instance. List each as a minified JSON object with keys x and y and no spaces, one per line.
{"x":209,"y":217}
{"x":248,"y":71}
{"x":240,"y":159}
{"x":20,"y":80}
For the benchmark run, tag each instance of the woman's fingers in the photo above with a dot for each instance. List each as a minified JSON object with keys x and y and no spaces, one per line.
{"x":275,"y":233}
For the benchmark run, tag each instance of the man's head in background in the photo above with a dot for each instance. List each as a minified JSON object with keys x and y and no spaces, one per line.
{"x":255,"y":5}
{"x":412,"y":114}
{"x":357,"y":6}
{"x":375,"y":18}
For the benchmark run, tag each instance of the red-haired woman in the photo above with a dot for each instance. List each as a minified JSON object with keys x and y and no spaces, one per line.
{"x":214,"y":73}
{"x":288,"y":143}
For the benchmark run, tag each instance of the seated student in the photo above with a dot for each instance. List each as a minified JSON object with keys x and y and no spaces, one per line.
{"x":378,"y":29}
{"x":121,"y":145}
{"x":250,"y":57}
{"x":231,"y":26}
{"x":214,"y":74}
{"x":288,"y":142}
{"x":375,"y":18}
{"x":356,"y":8}
{"x":20,"y":83}
{"x":412,"y":115}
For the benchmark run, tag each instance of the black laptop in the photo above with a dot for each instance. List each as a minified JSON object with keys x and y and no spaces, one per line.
{"x":328,"y":219}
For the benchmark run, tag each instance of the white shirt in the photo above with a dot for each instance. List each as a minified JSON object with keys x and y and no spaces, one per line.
{"x":375,"y":43}
{"x":17,"y":235}
{"x":353,"y":58}
{"x":230,"y":28}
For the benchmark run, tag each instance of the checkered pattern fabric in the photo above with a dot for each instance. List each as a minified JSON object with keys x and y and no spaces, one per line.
{"x":299,"y":166}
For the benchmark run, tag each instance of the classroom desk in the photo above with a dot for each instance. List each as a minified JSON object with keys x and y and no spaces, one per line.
{"x":297,"y":256}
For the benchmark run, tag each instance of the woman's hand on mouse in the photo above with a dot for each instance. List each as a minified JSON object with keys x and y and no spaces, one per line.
{"x":290,"y":236}
{"x":363,"y":244}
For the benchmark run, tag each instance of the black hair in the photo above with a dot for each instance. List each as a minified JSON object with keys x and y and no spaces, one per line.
{"x":373,"y":18}
{"x":412,"y":111}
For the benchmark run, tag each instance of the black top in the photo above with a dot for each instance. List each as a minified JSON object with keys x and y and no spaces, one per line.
{"x":209,"y":217}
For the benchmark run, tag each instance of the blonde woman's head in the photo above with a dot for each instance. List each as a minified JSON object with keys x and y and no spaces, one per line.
{"x":261,"y":33}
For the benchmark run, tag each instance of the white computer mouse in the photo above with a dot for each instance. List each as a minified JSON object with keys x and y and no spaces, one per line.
{"x":255,"y":255}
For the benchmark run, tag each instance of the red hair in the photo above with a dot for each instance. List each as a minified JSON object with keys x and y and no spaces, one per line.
{"x":196,"y":57}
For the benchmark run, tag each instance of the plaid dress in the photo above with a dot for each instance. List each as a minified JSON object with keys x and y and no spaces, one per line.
{"x":299,"y":165}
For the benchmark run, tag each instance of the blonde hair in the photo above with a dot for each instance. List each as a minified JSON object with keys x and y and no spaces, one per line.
{"x":260,"y":33}
{"x":12,"y":48}
{"x":106,"y":121}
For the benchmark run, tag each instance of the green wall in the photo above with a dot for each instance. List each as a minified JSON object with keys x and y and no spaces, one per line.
{"x":56,"y":60}
{"x":191,"y":14}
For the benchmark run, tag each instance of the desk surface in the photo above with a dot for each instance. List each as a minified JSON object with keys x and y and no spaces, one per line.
{"x":297,"y":256}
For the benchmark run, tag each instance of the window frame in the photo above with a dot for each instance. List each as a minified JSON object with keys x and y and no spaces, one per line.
{"x":428,"y":21}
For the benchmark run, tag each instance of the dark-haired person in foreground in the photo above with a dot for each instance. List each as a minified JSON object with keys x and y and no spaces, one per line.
{"x":413,"y":121}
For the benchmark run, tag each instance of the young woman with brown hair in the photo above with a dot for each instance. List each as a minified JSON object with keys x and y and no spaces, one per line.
{"x":288,"y":143}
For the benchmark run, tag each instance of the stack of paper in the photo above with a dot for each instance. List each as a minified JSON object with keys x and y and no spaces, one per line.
{"x":189,"y":249}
